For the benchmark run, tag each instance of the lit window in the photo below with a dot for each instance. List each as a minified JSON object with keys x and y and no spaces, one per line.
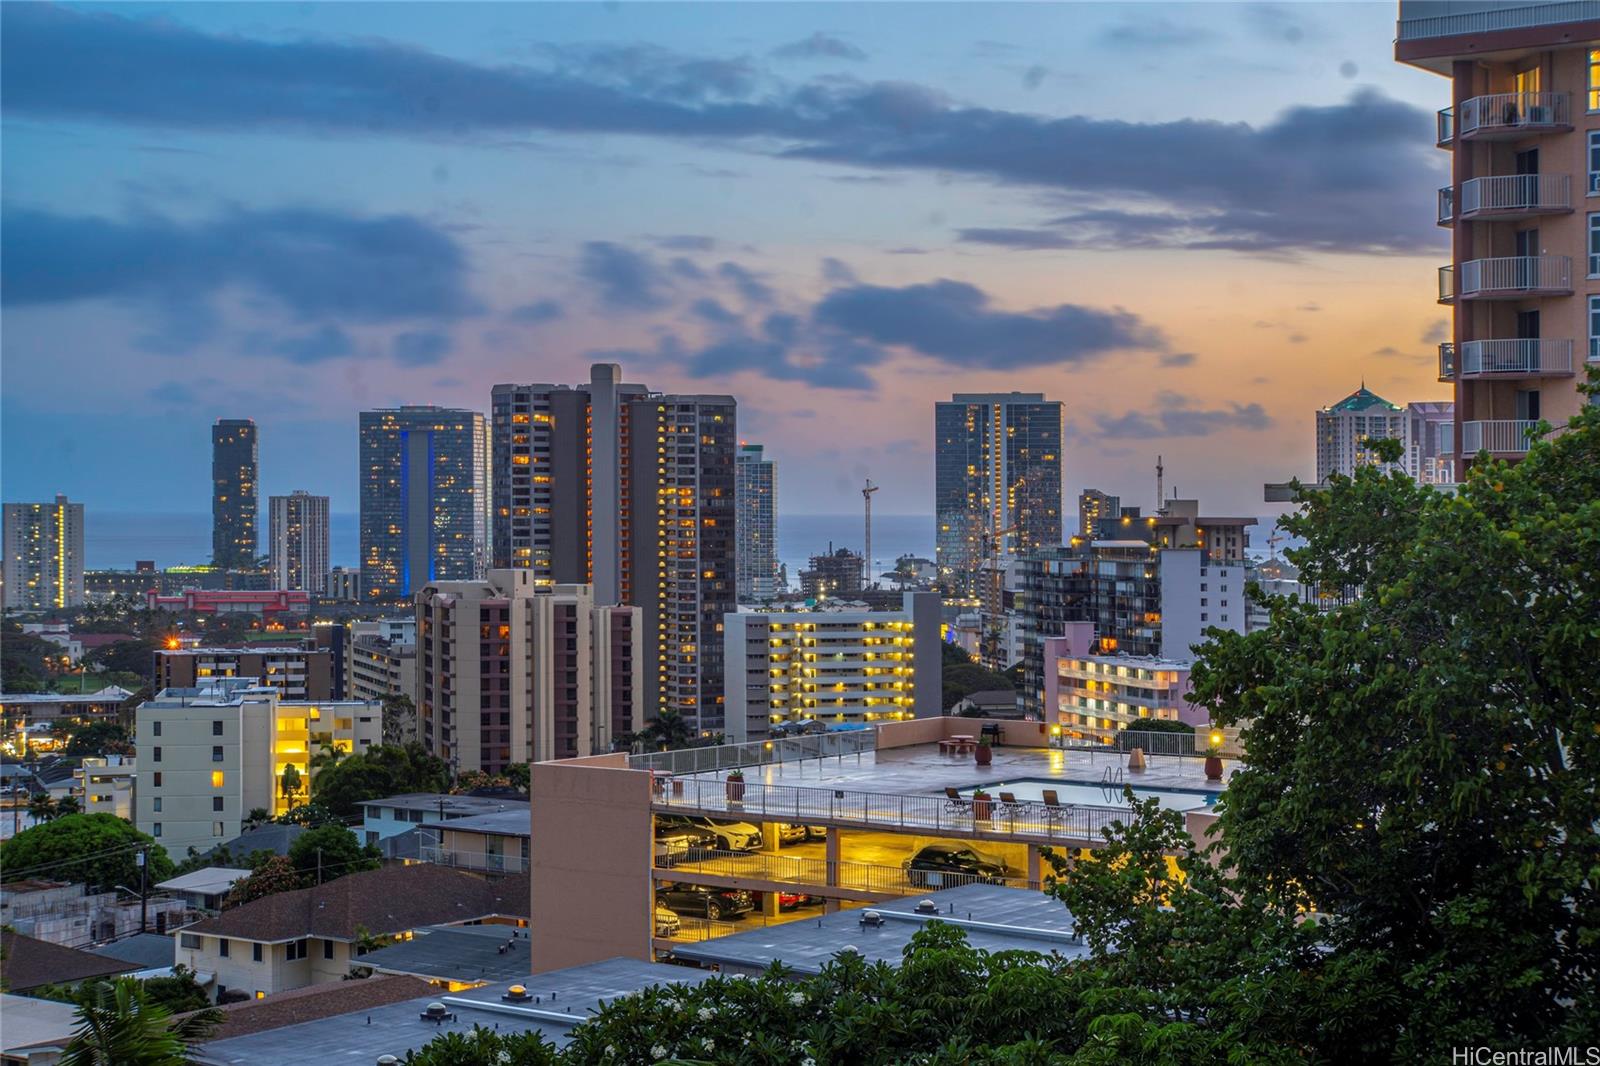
{"x":1594,"y":79}
{"x":216,"y":779}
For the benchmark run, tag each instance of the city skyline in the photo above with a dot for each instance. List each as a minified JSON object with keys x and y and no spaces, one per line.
{"x":1179,"y":310}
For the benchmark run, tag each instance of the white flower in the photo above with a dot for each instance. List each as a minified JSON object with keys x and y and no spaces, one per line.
{"x":708,"y":1043}
{"x":705,"y":1014}
{"x":611,"y":1049}
{"x":808,"y":1061}
{"x":657,"y":1051}
{"x":504,"y":1058}
{"x":797,"y":998}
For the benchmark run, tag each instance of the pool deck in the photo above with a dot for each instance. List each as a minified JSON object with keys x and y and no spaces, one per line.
{"x":922,"y":770}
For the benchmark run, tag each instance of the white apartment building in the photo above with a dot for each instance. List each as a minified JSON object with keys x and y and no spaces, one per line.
{"x":380,"y":659}
{"x":1096,"y":696}
{"x":837,"y":667}
{"x":298,"y":541}
{"x":1197,"y":595}
{"x":43,"y":545}
{"x":107,"y":785}
{"x":209,"y":755}
{"x":1425,"y":430}
{"x":755,"y":491}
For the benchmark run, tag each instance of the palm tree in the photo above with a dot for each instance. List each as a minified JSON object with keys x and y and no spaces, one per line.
{"x":290,"y":785}
{"x":327,"y":757}
{"x":668,"y":730}
{"x":119,"y":1026}
{"x":41,"y":807}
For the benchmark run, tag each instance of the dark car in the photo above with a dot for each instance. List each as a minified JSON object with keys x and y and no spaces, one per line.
{"x":953,"y":864}
{"x":705,"y":901}
{"x":729,"y":836}
{"x":677,"y":841}
{"x":798,"y":727}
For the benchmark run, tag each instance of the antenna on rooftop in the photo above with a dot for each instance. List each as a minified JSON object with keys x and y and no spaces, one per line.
{"x":1161,"y":499}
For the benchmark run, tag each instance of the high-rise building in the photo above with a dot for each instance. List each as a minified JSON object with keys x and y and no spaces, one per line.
{"x":1525,"y":152}
{"x":632,"y":492}
{"x":424,"y":499}
{"x":755,"y":496}
{"x":1093,"y":507}
{"x":1345,"y":431}
{"x":833,"y":575}
{"x":510,"y":670}
{"x":1430,"y":442}
{"x":43,"y":545}
{"x":298,"y":541}
{"x":235,"y":493}
{"x":833,"y":666}
{"x":997,"y":473}
{"x":296,"y":671}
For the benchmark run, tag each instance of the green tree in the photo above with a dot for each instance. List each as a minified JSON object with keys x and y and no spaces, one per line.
{"x":136,"y":656}
{"x":24,"y":659}
{"x":119,"y":1025}
{"x":41,"y":808}
{"x":274,"y":874}
{"x":179,"y":993}
{"x":667,"y":731}
{"x":485,"y":1047}
{"x":385,"y":770}
{"x":290,"y":784}
{"x":331,"y":851}
{"x":519,"y":775}
{"x":99,"y":738}
{"x":97,"y":849}
{"x":326,"y":758}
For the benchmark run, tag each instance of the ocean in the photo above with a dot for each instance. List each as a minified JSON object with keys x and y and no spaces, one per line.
{"x":114,"y":539}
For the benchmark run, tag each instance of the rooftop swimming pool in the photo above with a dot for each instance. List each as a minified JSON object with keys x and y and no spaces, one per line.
{"x":1093,"y":794}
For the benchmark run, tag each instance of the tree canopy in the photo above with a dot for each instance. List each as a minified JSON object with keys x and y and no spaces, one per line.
{"x":96,"y":849}
{"x":384,"y":770}
{"x":330,"y":851}
{"x":99,"y":738}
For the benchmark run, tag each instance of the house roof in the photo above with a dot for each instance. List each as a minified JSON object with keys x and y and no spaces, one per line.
{"x":1362,"y":399}
{"x":315,"y":1002}
{"x":30,"y":963}
{"x":997,"y":697}
{"x":145,"y":951}
{"x":35,"y":1023}
{"x":484,"y":953}
{"x":271,"y":837}
{"x":388,"y":900}
{"x":513,"y":823}
{"x":208,"y":881}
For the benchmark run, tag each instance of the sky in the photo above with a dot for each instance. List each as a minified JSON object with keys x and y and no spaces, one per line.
{"x":1192,"y":223}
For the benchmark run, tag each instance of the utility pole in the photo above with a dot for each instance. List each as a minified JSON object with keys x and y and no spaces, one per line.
{"x":144,"y":891}
{"x":866,"y":558}
{"x":319,"y":866}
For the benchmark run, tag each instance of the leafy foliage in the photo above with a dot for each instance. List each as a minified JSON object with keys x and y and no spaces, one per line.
{"x":99,"y":738}
{"x":23,"y":656}
{"x":274,"y":874}
{"x":97,"y":849}
{"x":485,"y":1047}
{"x":178,"y":994}
{"x":380,"y":771}
{"x":135,"y":656}
{"x":120,"y":1025}
{"x":962,"y":676}
{"x":330,"y":851}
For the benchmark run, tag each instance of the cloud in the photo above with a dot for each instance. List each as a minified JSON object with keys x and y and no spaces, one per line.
{"x":305,"y":349}
{"x":1348,"y":69}
{"x":820,"y":46}
{"x":837,"y":272}
{"x":624,"y":279}
{"x":1154,"y":33}
{"x":1437,"y":333}
{"x":713,"y":312}
{"x":312,"y":263}
{"x":1034,"y":76}
{"x":953,"y":322}
{"x":1298,"y":338}
{"x":1178,"y":359}
{"x":1177,"y":416}
{"x":537,"y":313}
{"x":687,"y":242}
{"x":174,"y":393}
{"x":421,"y":348}
{"x":1337,"y":177}
{"x":750,"y":287}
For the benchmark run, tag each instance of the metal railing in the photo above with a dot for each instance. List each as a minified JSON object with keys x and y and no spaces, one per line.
{"x":1516,"y":192}
{"x":1504,"y":18}
{"x":935,"y":814}
{"x":1515,"y":274}
{"x":1447,"y":125}
{"x":757,"y":753}
{"x":482,"y":862}
{"x":1447,"y":284}
{"x":1503,"y":436}
{"x":1447,"y":361}
{"x":1447,"y":204}
{"x":815,"y":873}
{"x":1511,"y":113}
{"x":1516,"y":356}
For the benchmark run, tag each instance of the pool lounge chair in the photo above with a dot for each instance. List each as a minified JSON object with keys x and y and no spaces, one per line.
{"x":955,"y":801}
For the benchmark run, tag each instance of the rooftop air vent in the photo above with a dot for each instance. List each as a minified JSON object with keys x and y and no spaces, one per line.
{"x":871,"y":918}
{"x":517,"y":994}
{"x":437,"y":1013}
{"x":927,"y":906}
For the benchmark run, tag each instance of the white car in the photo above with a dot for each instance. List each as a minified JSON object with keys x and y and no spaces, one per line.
{"x":731,"y":836}
{"x":667,"y":923}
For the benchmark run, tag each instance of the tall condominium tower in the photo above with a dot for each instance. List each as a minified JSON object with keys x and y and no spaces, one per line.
{"x":997,"y":473}
{"x":1095,"y":507}
{"x":513,"y":670}
{"x":297,"y":541}
{"x":1346,"y":430}
{"x":424,"y":499}
{"x":755,"y":495}
{"x":1525,"y":152}
{"x":43,"y":545}
{"x":632,"y":492}
{"x":235,"y":492}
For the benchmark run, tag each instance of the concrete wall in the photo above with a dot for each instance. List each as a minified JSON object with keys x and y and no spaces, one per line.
{"x":276,"y":972}
{"x":590,"y":857}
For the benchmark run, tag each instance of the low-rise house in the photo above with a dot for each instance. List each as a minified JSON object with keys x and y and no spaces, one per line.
{"x":204,"y":890}
{"x":20,"y":709}
{"x":29,"y":963}
{"x":456,"y":957}
{"x":314,"y":935}
{"x":150,"y":954}
{"x":394,"y":815}
{"x":36,"y":1031}
{"x":487,"y":843}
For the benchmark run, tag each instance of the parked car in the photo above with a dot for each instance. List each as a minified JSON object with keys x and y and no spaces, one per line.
{"x":796,"y":727}
{"x":730,"y":836}
{"x":667,"y":923}
{"x":792,"y":833}
{"x":954,"y":864}
{"x":676,"y":841}
{"x":705,"y":901}
{"x":790,"y":901}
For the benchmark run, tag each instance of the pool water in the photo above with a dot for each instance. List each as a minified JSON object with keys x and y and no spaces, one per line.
{"x":1085,"y":794}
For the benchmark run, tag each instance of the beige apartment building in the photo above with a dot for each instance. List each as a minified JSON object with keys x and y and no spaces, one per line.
{"x":107,"y":785}
{"x":297,"y":669}
{"x":1523,"y":208}
{"x":512,"y":669}
{"x":209,"y":755}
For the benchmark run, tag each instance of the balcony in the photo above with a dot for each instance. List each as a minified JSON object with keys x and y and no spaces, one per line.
{"x":1508,"y":116}
{"x":1447,"y":284}
{"x":1510,"y":16}
{"x":1447,"y":127}
{"x":1447,"y":361}
{"x":1510,"y":197}
{"x":1512,"y":277}
{"x":1520,"y":358}
{"x":1499,"y":437}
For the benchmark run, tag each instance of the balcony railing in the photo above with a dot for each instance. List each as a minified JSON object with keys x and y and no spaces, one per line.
{"x":1447,"y":205}
{"x":1506,"y":115}
{"x":1501,"y":437}
{"x":1519,"y":357}
{"x":1514,"y":195}
{"x":1447,"y":126}
{"x":757,"y":753}
{"x":1447,"y":284}
{"x":1447,"y":361}
{"x":1509,"y":17}
{"x":1514,"y":276}
{"x":483,"y":862}
{"x":860,"y":877}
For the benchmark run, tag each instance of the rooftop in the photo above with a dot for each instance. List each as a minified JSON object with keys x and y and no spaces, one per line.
{"x":457,"y":953}
{"x":442,"y":804}
{"x":1363,"y":399}
{"x":993,"y":917}
{"x":105,"y":695}
{"x":30,"y":963}
{"x":387,"y":900}
{"x":512,"y":823}
{"x":34,"y":1023}
{"x":307,"y":1004}
{"x":562,"y":999}
{"x":207,"y":882}
{"x":147,"y":951}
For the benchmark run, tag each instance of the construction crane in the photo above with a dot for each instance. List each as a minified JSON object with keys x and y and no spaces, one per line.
{"x":866,"y":555}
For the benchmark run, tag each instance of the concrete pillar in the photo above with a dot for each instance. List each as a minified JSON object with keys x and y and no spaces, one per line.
{"x":769,"y":836}
{"x":1033,"y":864}
{"x":769,"y":904}
{"x":831,"y":855}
